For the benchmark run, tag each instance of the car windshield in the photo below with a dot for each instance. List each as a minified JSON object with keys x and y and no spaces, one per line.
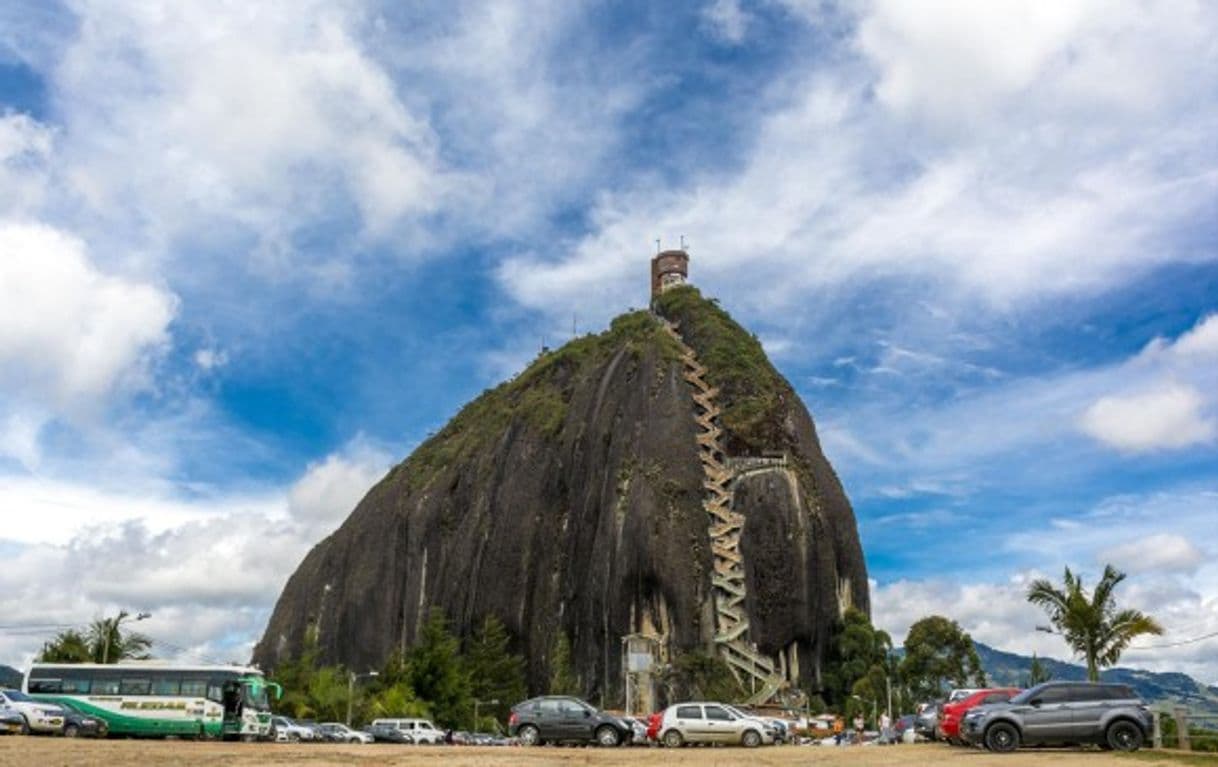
{"x":17,"y":696}
{"x":739,"y":714}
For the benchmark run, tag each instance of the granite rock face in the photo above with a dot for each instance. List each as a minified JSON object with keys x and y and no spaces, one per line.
{"x":570,"y":499}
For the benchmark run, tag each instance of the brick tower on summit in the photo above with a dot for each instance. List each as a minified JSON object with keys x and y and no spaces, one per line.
{"x":668,"y":269}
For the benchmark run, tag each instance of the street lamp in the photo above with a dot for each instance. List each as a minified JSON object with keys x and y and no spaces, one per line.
{"x":491,"y":702}
{"x":351,"y":677}
{"x":112,"y":629}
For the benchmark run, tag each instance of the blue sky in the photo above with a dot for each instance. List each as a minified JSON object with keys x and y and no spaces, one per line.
{"x":252,"y":254}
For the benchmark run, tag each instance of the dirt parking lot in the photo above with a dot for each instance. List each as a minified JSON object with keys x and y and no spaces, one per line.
{"x":16,"y":750}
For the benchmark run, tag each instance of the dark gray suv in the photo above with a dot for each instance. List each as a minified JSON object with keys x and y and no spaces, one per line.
{"x":1110,"y":715}
{"x":558,"y":718}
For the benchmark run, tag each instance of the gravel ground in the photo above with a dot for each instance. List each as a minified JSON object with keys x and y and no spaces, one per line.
{"x":16,"y":750}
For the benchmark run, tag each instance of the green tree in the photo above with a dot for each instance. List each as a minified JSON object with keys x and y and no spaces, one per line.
{"x":855,"y":649}
{"x":495,"y":673}
{"x":563,"y":680}
{"x":939,"y":655}
{"x":1091,"y":623}
{"x":110,"y":644}
{"x":701,"y":676}
{"x":1037,"y":673}
{"x":437,"y":674}
{"x":69,"y":646}
{"x":104,"y":641}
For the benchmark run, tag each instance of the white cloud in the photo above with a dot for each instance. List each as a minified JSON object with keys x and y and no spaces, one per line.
{"x":209,"y":569}
{"x":1165,"y":552}
{"x":262,"y":118}
{"x":210,"y":359}
{"x":1067,"y":193}
{"x":329,"y":489}
{"x":727,"y":19}
{"x":1169,"y":417}
{"x":1163,"y":398}
{"x":70,"y":335}
{"x":25,"y":147}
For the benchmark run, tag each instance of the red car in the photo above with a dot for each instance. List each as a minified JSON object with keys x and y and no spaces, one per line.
{"x":653,"y":726}
{"x":953,"y":713}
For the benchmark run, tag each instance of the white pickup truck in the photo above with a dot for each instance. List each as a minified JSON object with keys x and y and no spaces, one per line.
{"x":39,"y":717}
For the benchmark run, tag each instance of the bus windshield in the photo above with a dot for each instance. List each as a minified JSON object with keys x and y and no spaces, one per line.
{"x":254,"y":692}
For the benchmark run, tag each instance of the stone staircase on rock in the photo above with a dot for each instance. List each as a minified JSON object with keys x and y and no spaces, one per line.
{"x":756,"y":671}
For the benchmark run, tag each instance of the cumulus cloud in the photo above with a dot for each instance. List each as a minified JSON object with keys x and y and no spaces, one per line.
{"x":1164,"y":398}
{"x":1030,"y":198}
{"x":1170,"y":417}
{"x":261,"y":118}
{"x":66,"y":328}
{"x":208,"y":569}
{"x":330,"y":488}
{"x":1166,"y":552}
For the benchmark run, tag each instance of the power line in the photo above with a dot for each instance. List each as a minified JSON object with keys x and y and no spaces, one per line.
{"x":1194,"y":640}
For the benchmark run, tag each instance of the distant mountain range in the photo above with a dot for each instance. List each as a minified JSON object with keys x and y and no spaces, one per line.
{"x":1163,"y":689}
{"x":10,"y":677}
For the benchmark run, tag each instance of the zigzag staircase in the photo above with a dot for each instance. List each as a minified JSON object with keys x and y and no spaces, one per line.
{"x":756,"y":671}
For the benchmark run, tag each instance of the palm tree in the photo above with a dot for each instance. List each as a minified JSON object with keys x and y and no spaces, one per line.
{"x":110,"y":644}
{"x":1091,"y":624}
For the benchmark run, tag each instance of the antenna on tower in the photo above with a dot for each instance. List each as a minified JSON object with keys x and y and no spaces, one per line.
{"x":657,"y":245}
{"x":682,"y":242}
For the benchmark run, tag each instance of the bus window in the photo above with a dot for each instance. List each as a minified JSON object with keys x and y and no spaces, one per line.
{"x":134,"y":687}
{"x":196,"y":688}
{"x":105,"y":687}
{"x":165,"y":686}
{"x":45,"y":685}
{"x":76,"y":686}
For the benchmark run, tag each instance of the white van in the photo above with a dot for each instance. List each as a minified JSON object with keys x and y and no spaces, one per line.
{"x":421,"y":730}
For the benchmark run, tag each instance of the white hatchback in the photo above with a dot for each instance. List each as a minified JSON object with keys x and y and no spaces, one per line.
{"x":420,"y":730}
{"x":711,"y":723}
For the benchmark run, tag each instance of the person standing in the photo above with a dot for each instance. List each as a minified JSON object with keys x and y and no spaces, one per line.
{"x":839,"y":729}
{"x":858,"y":729}
{"x":885,"y":728}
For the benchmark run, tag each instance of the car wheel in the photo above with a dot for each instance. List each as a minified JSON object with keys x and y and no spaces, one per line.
{"x":71,"y":731}
{"x":608,"y":736}
{"x":673,"y":739}
{"x":751,"y":739}
{"x":293,"y":737}
{"x":25,"y":725}
{"x":1001,"y":738}
{"x":1124,"y":736}
{"x":529,"y":735}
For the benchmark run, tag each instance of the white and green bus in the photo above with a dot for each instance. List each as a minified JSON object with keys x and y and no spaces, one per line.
{"x":153,"y":698}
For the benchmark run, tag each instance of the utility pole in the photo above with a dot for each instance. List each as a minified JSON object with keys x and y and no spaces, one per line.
{"x":477,"y":703}
{"x":351,"y":677}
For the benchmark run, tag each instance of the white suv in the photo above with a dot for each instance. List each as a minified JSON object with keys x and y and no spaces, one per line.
{"x":287,"y":730}
{"x":420,"y":730}
{"x":39,"y":717}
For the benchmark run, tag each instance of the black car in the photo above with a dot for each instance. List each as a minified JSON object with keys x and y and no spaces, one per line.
{"x":559,"y":719}
{"x":77,"y":724}
{"x":384,"y":733}
{"x":1066,"y":713}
